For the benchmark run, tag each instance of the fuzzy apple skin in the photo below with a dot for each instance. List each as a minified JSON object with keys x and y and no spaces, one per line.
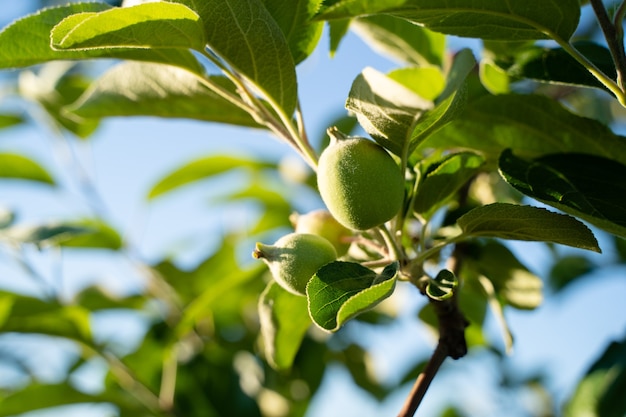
{"x":360,"y":183}
{"x":322,"y":223}
{"x":295,"y":258}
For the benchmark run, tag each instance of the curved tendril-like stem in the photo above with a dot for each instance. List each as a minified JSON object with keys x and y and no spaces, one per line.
{"x":394,"y":250}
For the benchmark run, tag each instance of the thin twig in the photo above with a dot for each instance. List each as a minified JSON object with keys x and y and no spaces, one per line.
{"x":423,"y":382}
{"x":614,"y":42}
{"x":452,"y":324}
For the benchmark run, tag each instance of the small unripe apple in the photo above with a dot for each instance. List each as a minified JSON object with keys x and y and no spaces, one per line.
{"x":322,"y":223}
{"x":360,"y":183}
{"x":295,"y":258}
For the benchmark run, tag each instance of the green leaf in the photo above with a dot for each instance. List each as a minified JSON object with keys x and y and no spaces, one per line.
{"x":401,"y":40}
{"x":97,"y":234}
{"x":359,"y":361}
{"x":486,"y":19}
{"x":494,"y":78}
{"x":284,"y":321}
{"x":442,"y":286}
{"x":7,"y":217}
{"x":426,"y":82}
{"x":95,"y":298}
{"x":341,"y":290}
{"x":443,"y":180}
{"x":202,"y":169}
{"x":149,"y":25}
{"x":586,"y":186}
{"x":128,"y":89}
{"x":533,"y":125}
{"x":275,"y":209}
{"x":510,"y":221}
{"x":25,"y":314}
{"x":387,"y":110}
{"x":86,"y":233}
{"x":245,"y":35}
{"x":513,"y":283}
{"x":601,"y":392}
{"x":218,"y":288}
{"x":16,"y":166}
{"x":449,"y":104}
{"x":53,"y":88}
{"x":555,"y":65}
{"x":302,"y":34}
{"x":43,"y":235}
{"x":337,"y":30}
{"x":497,"y":309}
{"x":567,"y":270}
{"x":27,"y":42}
{"x":10,"y":120}
{"x":39,"y":397}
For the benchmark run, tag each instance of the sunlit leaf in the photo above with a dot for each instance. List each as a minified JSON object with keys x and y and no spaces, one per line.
{"x":510,"y":221}
{"x":146,"y":89}
{"x":27,"y":42}
{"x":487,"y":19}
{"x":150,"y":25}
{"x":401,"y":39}
{"x":494,"y":78}
{"x":341,"y":290}
{"x":586,"y":186}
{"x":426,"y":82}
{"x":244,"y":34}
{"x":386,"y":109}
{"x":201,"y":169}
{"x":449,"y":104}
{"x":15,"y":166}
{"x":337,"y":30}
{"x":302,"y":34}
{"x":284,"y":321}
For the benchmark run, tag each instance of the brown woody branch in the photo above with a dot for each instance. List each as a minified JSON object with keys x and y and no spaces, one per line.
{"x":452,"y":324}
